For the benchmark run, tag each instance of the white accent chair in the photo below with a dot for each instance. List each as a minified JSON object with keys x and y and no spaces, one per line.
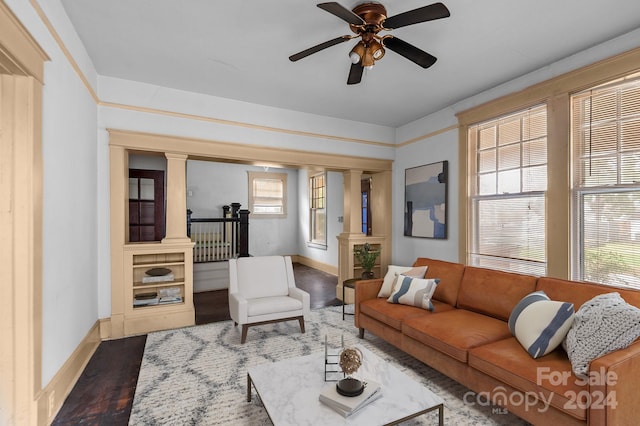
{"x":262,"y":290}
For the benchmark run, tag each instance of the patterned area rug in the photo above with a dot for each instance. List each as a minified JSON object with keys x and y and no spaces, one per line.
{"x":198,"y":375}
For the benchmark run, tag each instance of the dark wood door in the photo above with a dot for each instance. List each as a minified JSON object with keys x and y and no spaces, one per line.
{"x":146,"y":205}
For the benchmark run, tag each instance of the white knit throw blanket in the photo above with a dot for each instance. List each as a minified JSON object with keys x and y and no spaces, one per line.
{"x":603,"y":324}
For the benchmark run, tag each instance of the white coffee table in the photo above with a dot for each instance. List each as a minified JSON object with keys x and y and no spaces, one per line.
{"x":289,"y":391}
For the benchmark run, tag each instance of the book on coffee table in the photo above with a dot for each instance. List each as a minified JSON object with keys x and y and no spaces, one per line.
{"x":348,"y":405}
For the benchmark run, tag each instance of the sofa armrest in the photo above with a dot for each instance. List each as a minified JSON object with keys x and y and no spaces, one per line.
{"x":613,"y":387}
{"x":365,"y":290}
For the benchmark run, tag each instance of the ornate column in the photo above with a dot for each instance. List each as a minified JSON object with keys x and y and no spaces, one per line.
{"x":176,"y":218}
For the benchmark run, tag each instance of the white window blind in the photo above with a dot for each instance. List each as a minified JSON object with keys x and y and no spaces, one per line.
{"x":606,"y":183}
{"x":508,"y":164}
{"x":267,"y":193}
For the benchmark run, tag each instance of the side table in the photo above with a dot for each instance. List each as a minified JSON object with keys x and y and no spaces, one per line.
{"x":350,"y":283}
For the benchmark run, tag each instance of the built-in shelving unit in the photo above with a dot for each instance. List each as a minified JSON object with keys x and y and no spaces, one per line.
{"x":157,"y":302}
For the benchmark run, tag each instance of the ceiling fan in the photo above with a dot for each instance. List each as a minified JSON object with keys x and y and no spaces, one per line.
{"x":366,"y":20}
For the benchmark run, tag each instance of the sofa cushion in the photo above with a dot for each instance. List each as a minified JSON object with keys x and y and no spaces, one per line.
{"x":456,"y":331}
{"x":270,"y":305}
{"x":413,"y":291}
{"x":540,"y":324}
{"x":580,"y":292}
{"x":449,"y":274}
{"x":493,"y":293}
{"x":547,"y":378}
{"x":393,"y":271}
{"x":393,"y":315}
{"x":603,"y":324}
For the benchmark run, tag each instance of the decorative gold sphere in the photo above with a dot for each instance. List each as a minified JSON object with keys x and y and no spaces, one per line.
{"x":350,"y":360}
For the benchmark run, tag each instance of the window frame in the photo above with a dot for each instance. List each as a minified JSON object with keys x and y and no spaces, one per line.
{"x":586,"y":185}
{"x":479,"y":194}
{"x":252,"y":177}
{"x":313,"y":240}
{"x":555,"y":92}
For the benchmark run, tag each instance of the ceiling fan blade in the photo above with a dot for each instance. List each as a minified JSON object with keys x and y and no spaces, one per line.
{"x":355,"y":74}
{"x":415,"y":16}
{"x":409,"y":51}
{"x":318,"y":48}
{"x":341,"y":12}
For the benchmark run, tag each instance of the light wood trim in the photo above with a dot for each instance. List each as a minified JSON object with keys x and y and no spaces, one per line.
{"x":428,"y":135}
{"x":119,"y":194}
{"x":555,"y":93}
{"x":176,"y":208}
{"x":57,"y":390}
{"x":22,"y":73}
{"x":464,"y":214}
{"x":20,"y":54}
{"x":352,"y":213}
{"x":570,"y":82}
{"x":558,"y":202}
{"x":315,"y":264}
{"x":105,"y":328}
{"x":234,"y":123}
{"x":243,"y":153}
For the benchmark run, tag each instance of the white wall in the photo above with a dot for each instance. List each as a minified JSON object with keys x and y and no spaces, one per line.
{"x":70,"y":290}
{"x":213,"y":185}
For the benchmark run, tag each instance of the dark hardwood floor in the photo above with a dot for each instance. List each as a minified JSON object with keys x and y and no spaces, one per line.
{"x":103,"y":394}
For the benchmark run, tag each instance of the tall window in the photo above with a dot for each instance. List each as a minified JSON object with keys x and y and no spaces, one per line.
{"x":318,"y":209}
{"x":508,"y":164}
{"x":606,"y":183}
{"x":267,"y":194}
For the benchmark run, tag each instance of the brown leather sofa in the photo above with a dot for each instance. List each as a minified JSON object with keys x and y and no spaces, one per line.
{"x":467,"y":338}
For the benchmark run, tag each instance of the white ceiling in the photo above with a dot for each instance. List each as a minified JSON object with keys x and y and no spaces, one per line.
{"x":239,"y":49}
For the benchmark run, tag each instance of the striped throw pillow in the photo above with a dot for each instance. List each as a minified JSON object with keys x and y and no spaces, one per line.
{"x":393,"y":271}
{"x":413,"y":291}
{"x":540,"y":324}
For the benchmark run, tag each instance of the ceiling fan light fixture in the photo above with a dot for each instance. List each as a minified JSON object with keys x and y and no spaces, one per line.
{"x":357,"y":53}
{"x":367,"y":20}
{"x":377,"y":51}
{"x":367,"y":60}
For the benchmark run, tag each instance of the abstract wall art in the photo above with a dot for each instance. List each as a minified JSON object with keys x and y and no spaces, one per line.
{"x":425,"y":201}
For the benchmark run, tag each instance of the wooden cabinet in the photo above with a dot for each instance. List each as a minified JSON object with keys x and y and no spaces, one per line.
{"x":151,"y":303}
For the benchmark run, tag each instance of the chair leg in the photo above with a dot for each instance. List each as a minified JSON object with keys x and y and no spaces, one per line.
{"x":245,"y":327}
{"x":361,"y":333}
{"x":301,"y":321}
